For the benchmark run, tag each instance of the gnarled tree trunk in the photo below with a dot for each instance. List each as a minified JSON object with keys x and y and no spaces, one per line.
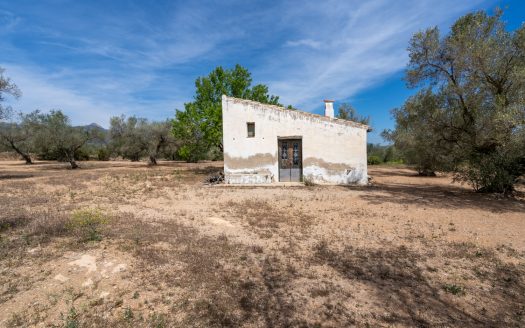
{"x":152,"y":160}
{"x":25,"y":156}
{"x":73,"y":164}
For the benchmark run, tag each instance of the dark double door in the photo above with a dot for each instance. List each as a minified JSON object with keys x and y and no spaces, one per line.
{"x":290,"y":160}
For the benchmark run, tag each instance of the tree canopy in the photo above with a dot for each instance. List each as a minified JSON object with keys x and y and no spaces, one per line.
{"x":348,"y":112}
{"x":199,"y":125}
{"x":7,"y":87}
{"x":469,"y":114}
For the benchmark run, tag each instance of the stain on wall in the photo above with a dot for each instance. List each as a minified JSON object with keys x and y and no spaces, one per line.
{"x":252,"y":162}
{"x":339,"y":167}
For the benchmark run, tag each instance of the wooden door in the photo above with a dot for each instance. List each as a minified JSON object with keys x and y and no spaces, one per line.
{"x":290,"y":160}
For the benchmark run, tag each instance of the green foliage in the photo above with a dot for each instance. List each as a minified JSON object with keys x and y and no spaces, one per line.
{"x":128,"y":314}
{"x":128,"y":137}
{"x":469,"y":116}
{"x":87,"y":223}
{"x":71,"y":320}
{"x":134,"y":138}
{"x":412,"y":137}
{"x":378,"y":154}
{"x":374,"y":160}
{"x":103,"y":154}
{"x":7,"y":87}
{"x":348,"y":112}
{"x":199,"y":127}
{"x":16,"y":134}
{"x":454,"y":289}
{"x":55,"y":138}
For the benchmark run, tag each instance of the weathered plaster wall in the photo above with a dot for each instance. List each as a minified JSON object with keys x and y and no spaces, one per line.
{"x":334,"y":151}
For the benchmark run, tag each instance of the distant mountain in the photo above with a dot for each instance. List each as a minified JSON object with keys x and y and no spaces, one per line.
{"x":93,"y":126}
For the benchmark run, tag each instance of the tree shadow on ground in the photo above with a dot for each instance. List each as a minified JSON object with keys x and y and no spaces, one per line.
{"x":446,"y":197}
{"x":395,"y":172}
{"x":410,"y":297}
{"x":15,"y":176}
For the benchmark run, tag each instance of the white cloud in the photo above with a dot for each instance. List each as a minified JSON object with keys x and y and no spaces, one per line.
{"x":45,"y":92}
{"x":362,"y":43}
{"x":145,"y":63}
{"x":304,"y":42}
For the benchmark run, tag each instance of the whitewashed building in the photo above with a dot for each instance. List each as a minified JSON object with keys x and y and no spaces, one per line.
{"x":267,"y":144}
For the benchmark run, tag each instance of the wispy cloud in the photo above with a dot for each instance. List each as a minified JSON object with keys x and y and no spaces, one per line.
{"x":94,"y":61}
{"x":304,"y":42}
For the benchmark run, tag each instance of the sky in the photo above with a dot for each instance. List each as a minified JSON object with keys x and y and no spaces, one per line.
{"x":97,"y":59}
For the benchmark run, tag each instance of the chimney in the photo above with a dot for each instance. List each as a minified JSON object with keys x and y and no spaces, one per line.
{"x":329,"y":108}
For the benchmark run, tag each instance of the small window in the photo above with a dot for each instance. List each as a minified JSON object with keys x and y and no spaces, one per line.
{"x":251,"y":129}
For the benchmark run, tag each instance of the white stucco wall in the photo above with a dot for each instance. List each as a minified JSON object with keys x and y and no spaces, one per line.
{"x":334,"y":150}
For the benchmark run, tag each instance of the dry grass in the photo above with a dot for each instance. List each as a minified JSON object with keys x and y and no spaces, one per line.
{"x":176,"y":253}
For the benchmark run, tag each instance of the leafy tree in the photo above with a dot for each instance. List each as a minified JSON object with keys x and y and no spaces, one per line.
{"x":348,"y":112}
{"x":412,"y":136}
{"x":161,"y":140}
{"x":471,"y":109}
{"x":129,"y":137}
{"x":7,"y":87}
{"x":134,"y":138}
{"x":16,"y":134}
{"x":199,"y":126}
{"x":55,"y":135}
{"x":188,"y":127}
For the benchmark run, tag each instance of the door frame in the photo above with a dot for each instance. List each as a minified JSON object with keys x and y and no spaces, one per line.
{"x":290,"y":139}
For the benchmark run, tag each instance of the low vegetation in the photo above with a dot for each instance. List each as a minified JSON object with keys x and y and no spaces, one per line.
{"x":125,"y":245}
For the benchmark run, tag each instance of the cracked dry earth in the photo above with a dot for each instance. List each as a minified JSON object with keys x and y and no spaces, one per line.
{"x":174,"y":252}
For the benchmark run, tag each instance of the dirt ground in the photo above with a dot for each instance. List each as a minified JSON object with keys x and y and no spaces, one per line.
{"x":156,"y":247}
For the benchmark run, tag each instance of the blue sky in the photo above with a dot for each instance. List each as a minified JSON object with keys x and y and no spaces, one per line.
{"x":96,"y":59}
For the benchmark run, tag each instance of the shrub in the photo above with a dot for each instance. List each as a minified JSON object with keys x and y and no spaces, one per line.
{"x":103,"y":154}
{"x":87,"y":223}
{"x":309,"y":182}
{"x":373,"y":160}
{"x":454,"y":289}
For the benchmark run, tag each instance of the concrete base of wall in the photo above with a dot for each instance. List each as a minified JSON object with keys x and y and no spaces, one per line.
{"x":247,"y":178}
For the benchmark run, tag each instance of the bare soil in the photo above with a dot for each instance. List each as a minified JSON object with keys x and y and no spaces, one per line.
{"x":406,"y":251}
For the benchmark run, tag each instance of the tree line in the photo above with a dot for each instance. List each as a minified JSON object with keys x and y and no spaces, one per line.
{"x":194,"y":134}
{"x":467,"y":116}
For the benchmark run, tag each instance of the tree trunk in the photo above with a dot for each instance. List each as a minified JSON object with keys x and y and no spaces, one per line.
{"x":74,"y":164}
{"x":427,"y":173}
{"x":70,"y":155}
{"x":25,"y":156}
{"x":152,"y":160}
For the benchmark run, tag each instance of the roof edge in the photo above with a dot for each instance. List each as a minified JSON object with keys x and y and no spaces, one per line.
{"x":325,"y":118}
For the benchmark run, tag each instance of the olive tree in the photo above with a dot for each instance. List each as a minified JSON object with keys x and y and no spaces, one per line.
{"x":7,"y":87}
{"x":16,"y":134}
{"x":160,"y":139}
{"x":470,"y":113}
{"x":348,"y":112}
{"x":129,"y":137}
{"x":134,"y":138}
{"x":54,"y":134}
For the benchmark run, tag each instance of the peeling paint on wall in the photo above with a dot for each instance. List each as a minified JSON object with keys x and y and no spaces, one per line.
{"x":338,"y":167}
{"x":333,"y":150}
{"x":250,"y":162}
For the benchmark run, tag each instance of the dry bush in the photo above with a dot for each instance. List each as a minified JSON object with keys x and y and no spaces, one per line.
{"x":87,"y":223}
